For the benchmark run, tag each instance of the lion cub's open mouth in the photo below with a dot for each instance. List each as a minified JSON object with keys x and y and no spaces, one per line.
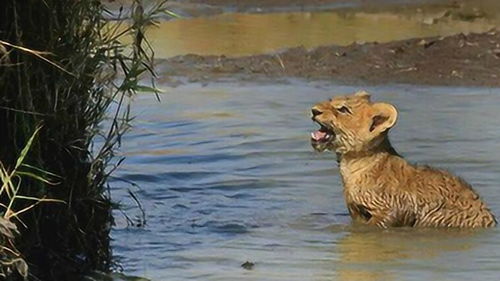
{"x":323,"y":135}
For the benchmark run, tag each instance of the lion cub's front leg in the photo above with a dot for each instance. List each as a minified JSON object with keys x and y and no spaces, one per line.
{"x":377,"y":212}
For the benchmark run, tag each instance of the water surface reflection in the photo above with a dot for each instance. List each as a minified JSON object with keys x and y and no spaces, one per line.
{"x":238,"y":34}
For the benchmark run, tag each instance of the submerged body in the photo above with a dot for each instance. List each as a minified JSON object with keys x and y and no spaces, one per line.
{"x":380,"y":187}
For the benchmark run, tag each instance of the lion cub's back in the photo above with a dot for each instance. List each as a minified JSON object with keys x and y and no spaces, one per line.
{"x":444,"y":199}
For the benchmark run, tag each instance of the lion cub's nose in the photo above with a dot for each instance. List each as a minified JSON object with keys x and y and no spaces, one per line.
{"x":315,"y":112}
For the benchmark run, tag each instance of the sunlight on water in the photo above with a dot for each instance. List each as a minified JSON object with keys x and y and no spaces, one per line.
{"x":247,"y":34}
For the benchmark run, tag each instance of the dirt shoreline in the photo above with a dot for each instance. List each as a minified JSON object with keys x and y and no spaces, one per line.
{"x":461,"y":60}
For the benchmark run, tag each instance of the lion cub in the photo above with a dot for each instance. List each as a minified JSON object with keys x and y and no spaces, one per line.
{"x":380,"y":187}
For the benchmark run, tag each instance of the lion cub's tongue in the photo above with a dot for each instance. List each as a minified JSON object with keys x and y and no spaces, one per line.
{"x":318,"y":135}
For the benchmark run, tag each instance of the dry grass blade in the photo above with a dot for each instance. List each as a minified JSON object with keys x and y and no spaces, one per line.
{"x":38,"y":54}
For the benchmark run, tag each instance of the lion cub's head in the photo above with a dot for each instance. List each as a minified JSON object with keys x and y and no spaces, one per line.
{"x":351,"y":123}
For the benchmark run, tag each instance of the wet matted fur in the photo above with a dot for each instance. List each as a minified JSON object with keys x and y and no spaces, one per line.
{"x":380,"y":187}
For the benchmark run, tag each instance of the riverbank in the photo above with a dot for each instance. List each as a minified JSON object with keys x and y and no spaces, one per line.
{"x":462,"y":60}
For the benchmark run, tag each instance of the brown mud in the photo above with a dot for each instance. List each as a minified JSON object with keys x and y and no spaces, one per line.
{"x":462,"y":60}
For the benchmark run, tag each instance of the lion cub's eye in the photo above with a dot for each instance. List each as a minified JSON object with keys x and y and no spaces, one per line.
{"x":344,"y":109}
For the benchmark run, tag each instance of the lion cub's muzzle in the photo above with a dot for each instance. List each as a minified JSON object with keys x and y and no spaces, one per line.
{"x":321,"y":139}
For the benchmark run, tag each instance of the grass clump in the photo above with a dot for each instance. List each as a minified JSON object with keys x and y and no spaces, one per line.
{"x":64,"y":68}
{"x":11,"y":260}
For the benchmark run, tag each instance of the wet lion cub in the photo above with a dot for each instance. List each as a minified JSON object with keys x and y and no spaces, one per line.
{"x":380,"y":187}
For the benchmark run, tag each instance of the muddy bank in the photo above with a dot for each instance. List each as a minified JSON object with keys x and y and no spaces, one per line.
{"x":465,"y":60}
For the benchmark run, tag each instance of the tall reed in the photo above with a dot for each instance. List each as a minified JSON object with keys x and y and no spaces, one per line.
{"x":65,"y":69}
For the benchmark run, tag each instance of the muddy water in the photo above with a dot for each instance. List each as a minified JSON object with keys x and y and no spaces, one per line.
{"x":226,"y":175}
{"x":238,"y":34}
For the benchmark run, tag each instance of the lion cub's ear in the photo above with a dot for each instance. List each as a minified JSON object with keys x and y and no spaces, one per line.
{"x":363,"y":94}
{"x":384,"y":118}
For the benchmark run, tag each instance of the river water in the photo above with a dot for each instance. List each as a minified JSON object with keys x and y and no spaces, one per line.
{"x":226,"y":175}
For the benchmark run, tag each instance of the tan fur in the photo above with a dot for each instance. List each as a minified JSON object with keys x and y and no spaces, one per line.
{"x":380,"y":187}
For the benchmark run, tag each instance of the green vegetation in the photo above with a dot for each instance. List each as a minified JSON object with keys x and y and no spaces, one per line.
{"x":66,"y":77}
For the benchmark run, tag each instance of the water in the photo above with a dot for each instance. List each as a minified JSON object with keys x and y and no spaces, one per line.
{"x":226,"y":175}
{"x":237,"y":34}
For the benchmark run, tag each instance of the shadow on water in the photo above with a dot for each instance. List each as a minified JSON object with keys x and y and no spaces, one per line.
{"x":97,"y":276}
{"x":244,"y":185}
